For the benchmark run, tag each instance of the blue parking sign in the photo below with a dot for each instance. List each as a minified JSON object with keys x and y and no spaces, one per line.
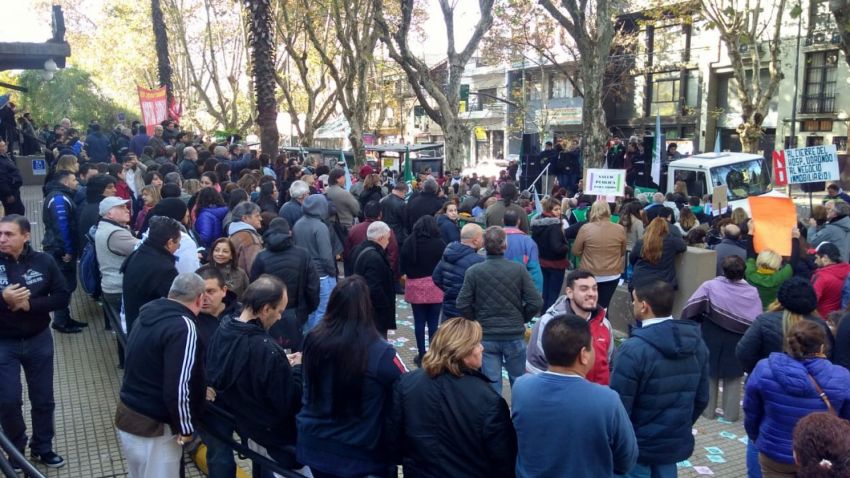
{"x":39,"y":167}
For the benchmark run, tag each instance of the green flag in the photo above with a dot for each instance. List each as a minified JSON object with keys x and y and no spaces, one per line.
{"x":408,"y":172}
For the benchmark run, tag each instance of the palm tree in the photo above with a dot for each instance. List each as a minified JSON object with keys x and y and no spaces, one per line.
{"x":163,"y":64}
{"x":261,"y":39}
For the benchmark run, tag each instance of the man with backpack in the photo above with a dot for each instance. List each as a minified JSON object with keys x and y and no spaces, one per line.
{"x":60,"y":240}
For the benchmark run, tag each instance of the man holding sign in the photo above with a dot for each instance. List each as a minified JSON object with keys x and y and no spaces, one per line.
{"x":836,"y":230}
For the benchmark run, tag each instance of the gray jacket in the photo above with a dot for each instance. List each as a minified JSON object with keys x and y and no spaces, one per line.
{"x":501,"y":296}
{"x":347,"y":206}
{"x":113,"y":244}
{"x":837,"y":232}
{"x":311,"y":233}
{"x":727,"y":248}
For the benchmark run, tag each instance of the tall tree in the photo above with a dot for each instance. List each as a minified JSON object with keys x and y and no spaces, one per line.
{"x":301,"y":74}
{"x":441,"y":102}
{"x":353,"y":25}
{"x":163,"y":63}
{"x":590,"y":25}
{"x":749,"y":29}
{"x":841,"y":11}
{"x":261,"y":39}
{"x":211,"y":62}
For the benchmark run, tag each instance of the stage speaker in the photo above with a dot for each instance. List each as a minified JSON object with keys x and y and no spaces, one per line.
{"x":531,"y":166}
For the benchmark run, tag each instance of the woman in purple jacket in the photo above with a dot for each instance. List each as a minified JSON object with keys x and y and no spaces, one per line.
{"x":784,"y":388}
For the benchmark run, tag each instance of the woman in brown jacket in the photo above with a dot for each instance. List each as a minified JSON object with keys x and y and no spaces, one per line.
{"x":602,"y":247}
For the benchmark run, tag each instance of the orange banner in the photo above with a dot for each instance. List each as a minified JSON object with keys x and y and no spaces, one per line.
{"x":773,"y":220}
{"x":154,"y":109}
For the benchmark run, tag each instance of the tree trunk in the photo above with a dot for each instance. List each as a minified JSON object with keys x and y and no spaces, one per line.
{"x":455,"y":135}
{"x":750,"y":133}
{"x":357,"y":145}
{"x":163,"y":63}
{"x":593,"y":128}
{"x":261,"y":37}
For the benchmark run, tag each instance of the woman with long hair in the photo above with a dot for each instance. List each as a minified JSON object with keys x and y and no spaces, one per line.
{"x":687,"y":221}
{"x":371,"y":190}
{"x":349,"y":373}
{"x":150,"y":198}
{"x":447,"y":221}
{"x":210,"y":211}
{"x":602,"y":247}
{"x":235,"y":197}
{"x":223,"y":257}
{"x":548,"y":233}
{"x":784,"y":388}
{"x":420,"y":254}
{"x":210,"y":180}
{"x":268,"y":197}
{"x":450,"y":374}
{"x":631,"y":219}
{"x":795,"y":301}
{"x":655,"y":258}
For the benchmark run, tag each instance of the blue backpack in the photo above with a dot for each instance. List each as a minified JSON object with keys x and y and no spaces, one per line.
{"x":89,"y":267}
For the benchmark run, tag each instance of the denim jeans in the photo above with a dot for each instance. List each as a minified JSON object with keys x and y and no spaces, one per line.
{"x":753,"y":465}
{"x":653,"y":471}
{"x":326,"y":285}
{"x":35,"y":356}
{"x":220,"y":461}
{"x":553,"y":279}
{"x":425,"y":314}
{"x":69,"y":272}
{"x":507,"y":353}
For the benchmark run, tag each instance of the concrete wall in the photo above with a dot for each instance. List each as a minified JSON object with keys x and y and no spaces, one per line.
{"x":692,"y":269}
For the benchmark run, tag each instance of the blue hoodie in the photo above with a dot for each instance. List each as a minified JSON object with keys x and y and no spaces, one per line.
{"x":450,"y":271}
{"x":661,"y":374}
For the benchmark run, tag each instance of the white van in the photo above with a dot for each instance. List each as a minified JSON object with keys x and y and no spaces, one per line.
{"x":744,"y":175}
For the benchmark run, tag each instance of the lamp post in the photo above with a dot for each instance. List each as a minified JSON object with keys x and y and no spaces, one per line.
{"x":793,"y":136}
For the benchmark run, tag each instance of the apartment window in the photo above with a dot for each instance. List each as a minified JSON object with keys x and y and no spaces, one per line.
{"x":819,"y":93}
{"x":533,"y":87}
{"x":665,"y":94}
{"x":668,"y":45}
{"x":692,"y":89}
{"x":820,"y":18}
{"x":814,"y":141}
{"x":840,"y":143}
{"x":560,"y":87}
{"x":486,"y":98}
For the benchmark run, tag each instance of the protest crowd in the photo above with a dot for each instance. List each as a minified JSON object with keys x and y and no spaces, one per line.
{"x":266,"y":286}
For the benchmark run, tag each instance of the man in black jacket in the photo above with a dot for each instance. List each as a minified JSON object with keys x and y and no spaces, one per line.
{"x":149,"y":270}
{"x":10,"y":183}
{"x":293,"y":265}
{"x":98,"y":188}
{"x":33,"y":287}
{"x":253,"y":377}
{"x":163,"y":385}
{"x":394,"y":211}
{"x":371,"y":262}
{"x":60,"y":240}
{"x":426,"y":203}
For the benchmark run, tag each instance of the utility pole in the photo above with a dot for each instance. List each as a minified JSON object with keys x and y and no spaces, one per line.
{"x":793,"y":136}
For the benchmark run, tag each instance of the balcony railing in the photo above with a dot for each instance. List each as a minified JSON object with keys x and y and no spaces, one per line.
{"x":818,"y":104}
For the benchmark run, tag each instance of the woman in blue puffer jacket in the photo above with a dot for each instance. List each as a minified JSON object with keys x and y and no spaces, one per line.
{"x":784,"y":388}
{"x":210,"y":211}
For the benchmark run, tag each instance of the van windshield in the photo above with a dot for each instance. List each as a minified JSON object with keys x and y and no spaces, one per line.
{"x":744,"y":179}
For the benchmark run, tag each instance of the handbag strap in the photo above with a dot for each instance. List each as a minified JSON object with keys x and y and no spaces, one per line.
{"x":822,"y":395}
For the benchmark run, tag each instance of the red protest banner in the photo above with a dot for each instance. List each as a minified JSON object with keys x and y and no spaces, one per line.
{"x":154,"y":109}
{"x":780,"y":169}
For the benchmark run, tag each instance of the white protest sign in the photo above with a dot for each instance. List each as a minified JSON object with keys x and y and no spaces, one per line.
{"x":605,"y":182}
{"x":812,"y":164}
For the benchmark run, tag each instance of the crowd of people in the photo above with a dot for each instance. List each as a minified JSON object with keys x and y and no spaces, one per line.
{"x":268,"y":287}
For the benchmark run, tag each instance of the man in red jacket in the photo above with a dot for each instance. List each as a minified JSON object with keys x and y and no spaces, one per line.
{"x":829,"y":278}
